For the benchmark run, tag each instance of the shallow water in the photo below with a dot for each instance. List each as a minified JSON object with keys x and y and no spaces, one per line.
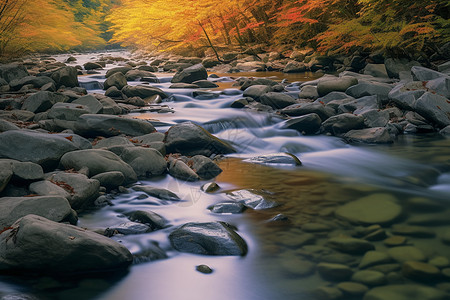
{"x":332,"y":174}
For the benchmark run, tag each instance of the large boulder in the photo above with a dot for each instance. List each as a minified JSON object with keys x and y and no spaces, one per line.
{"x":143,"y":91}
{"x":67,"y":111}
{"x":90,"y":65}
{"x":66,"y":76}
{"x":191,"y":139}
{"x":146,"y":162}
{"x":277,"y":100}
{"x":133,"y":75}
{"x":342,"y":123}
{"x":36,"y":81}
{"x":54,"y":208}
{"x":405,"y":95}
{"x":123,"y":70}
{"x":295,"y":67}
{"x":331,"y":84}
{"x":435,"y":108}
{"x":425,"y":74}
{"x":307,"y":124}
{"x":109,"y":125}
{"x":24,"y":171}
{"x":368,"y":89}
{"x":58,"y":248}
{"x":256,"y":91}
{"x":302,"y":109}
{"x":117,"y":79}
{"x":191,"y":74}
{"x":179,"y":169}
{"x":213,"y":238}
{"x":205,"y":167}
{"x":42,"y":101}
{"x":40,"y":148}
{"x":12,"y":72}
{"x":91,"y":103}
{"x":98,"y":161}
{"x":395,"y":66}
{"x":376,"y":135}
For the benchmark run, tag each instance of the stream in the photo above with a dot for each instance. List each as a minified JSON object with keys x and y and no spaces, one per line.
{"x":332,"y":173}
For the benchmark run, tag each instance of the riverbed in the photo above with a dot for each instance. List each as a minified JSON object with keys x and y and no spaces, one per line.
{"x":414,"y":168}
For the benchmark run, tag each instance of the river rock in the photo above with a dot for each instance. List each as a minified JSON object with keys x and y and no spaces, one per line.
{"x":205,"y":167}
{"x":440,"y":86}
{"x":251,"y":199}
{"x":51,"y":207}
{"x":406,"y":253}
{"x":205,"y":84}
{"x":112,"y":142}
{"x":42,"y":101}
{"x":295,"y":67}
{"x":93,"y":105}
{"x":376,"y":70}
{"x":373,"y":209}
{"x":212,"y":238}
{"x":109,"y":125}
{"x":308,"y":92}
{"x":420,"y":271}
{"x":159,"y":193}
{"x":58,"y":248}
{"x":256,"y":91}
{"x":376,"y":118}
{"x":342,"y":123}
{"x":335,"y":84}
{"x":227,"y":208}
{"x":5,"y":126}
{"x":180,"y":170}
{"x":13,"y":71}
{"x":415,"y":231}
{"x":395,"y":66}
{"x":27,"y":171}
{"x":146,"y":162}
{"x":334,"y":272}
{"x":424,"y":74}
{"x":350,"y":245}
{"x":117,"y":80}
{"x":35,"y":81}
{"x":276,"y":158}
{"x":149,"y":218}
{"x":127,"y":229}
{"x":122,"y":69}
{"x":307,"y":124}
{"x":406,"y":94}
{"x":190,"y":139}
{"x":352,"y":289}
{"x":47,"y":188}
{"x":40,"y":148}
{"x":110,"y":180}
{"x":377,"y":135}
{"x":276,"y":100}
{"x":405,"y":292}
{"x":251,"y":66}
{"x":143,"y":91}
{"x":191,"y":74}
{"x":98,"y":161}
{"x":134,"y":75}
{"x":369,"y":277}
{"x":257,"y":81}
{"x":327,"y":293}
{"x":315,"y":227}
{"x":435,"y":219}
{"x":67,"y":111}
{"x":302,"y":109}
{"x":92,"y":66}
{"x":66,"y":76}
{"x":369,"y":89}
{"x":181,"y":85}
{"x":110,"y":107}
{"x":372,"y":258}
{"x":434,"y":108}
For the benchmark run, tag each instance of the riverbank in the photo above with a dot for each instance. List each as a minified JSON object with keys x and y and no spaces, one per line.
{"x":105,"y":153}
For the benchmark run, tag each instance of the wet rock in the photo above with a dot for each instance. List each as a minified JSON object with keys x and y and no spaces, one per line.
{"x":406,"y":253}
{"x":47,"y":188}
{"x":334,"y":272}
{"x":149,"y":218}
{"x":180,"y":170}
{"x":181,"y":85}
{"x":5,"y":126}
{"x":66,"y":76}
{"x":420,"y":271}
{"x":227,"y":208}
{"x":109,"y":125}
{"x":276,"y":158}
{"x":387,"y":269}
{"x":36,"y":82}
{"x":342,"y":123}
{"x":240,"y":103}
{"x":67,"y":111}
{"x":190,"y":139}
{"x":251,"y":200}
{"x":302,"y":109}
{"x":98,"y":161}
{"x":42,"y":101}
{"x":434,"y":108}
{"x":40,"y":148}
{"x":150,"y":251}
{"x":350,"y":245}
{"x":205,"y":84}
{"x":340,"y":84}
{"x":373,"y":209}
{"x":276,"y":100}
{"x":123,"y":70}
{"x":257,"y":81}
{"x":376,"y":70}
{"x":13,"y":71}
{"x":372,"y":258}
{"x":110,"y":180}
{"x":439,"y":261}
{"x":327,"y":293}
{"x":127,"y":229}
{"x":430,"y":219}
{"x":307,"y":124}
{"x":298,"y":267}
{"x":191,"y":74}
{"x":340,"y":258}
{"x":308,"y":92}
{"x":251,"y":66}
{"x":315,"y":227}
{"x":405,"y":95}
{"x":369,"y":277}
{"x":256,"y":91}
{"x":212,"y":238}
{"x":82,"y":189}
{"x":352,"y":289}
{"x":113,"y":141}
{"x":210,"y":187}
{"x":376,"y":135}
{"x":58,"y":248}
{"x":134,"y":75}
{"x":205,"y":167}
{"x":425,"y":74}
{"x":51,"y":207}
{"x":415,"y":231}
{"x":117,"y":80}
{"x":395,"y":66}
{"x":204,"y":269}
{"x":375,"y":118}
{"x":395,"y":240}
{"x":297,"y":240}
{"x":93,"y":105}
{"x":146,"y":162}
{"x":405,"y":292}
{"x":295,"y":67}
{"x":369,"y":89}
{"x":143,"y":91}
{"x":159,"y":193}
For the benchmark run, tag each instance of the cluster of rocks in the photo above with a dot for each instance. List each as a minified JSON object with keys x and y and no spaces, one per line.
{"x":62,"y":151}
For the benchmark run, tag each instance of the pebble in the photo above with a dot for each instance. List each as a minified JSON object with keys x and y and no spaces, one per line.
{"x":395,"y":240}
{"x":204,"y":269}
{"x":298,"y":267}
{"x":352,"y":288}
{"x":406,"y":253}
{"x":419,"y":271}
{"x":315,"y":227}
{"x":439,"y":261}
{"x":386,"y":268}
{"x":328,"y":293}
{"x":369,"y":277}
{"x":334,"y":272}
{"x":372,"y":258}
{"x":415,"y":231}
{"x":349,"y":245}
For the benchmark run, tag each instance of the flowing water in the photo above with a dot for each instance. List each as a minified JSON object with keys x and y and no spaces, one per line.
{"x":414,"y":168}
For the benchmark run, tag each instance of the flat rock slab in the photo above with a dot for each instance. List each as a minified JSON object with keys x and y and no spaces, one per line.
{"x":212,"y":238}
{"x":373,"y":209}
{"x":58,"y":248}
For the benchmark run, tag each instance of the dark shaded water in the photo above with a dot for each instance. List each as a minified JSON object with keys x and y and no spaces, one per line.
{"x":333,"y":173}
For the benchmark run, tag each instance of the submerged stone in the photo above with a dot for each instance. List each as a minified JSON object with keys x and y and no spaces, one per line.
{"x":276,"y":158}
